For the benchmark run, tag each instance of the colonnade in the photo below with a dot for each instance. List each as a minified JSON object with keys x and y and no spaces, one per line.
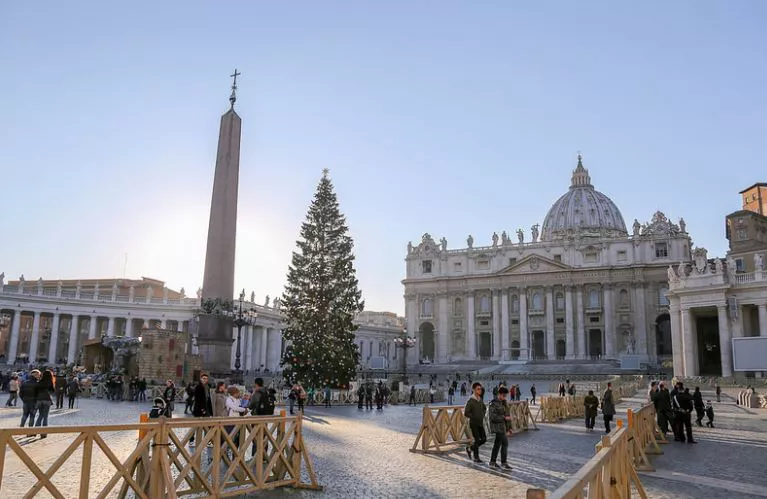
{"x":261,"y":347}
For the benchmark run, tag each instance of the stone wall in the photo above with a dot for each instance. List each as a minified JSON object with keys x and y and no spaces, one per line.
{"x":163,"y":356}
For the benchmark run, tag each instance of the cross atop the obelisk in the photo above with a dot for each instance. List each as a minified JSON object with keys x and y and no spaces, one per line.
{"x":233,"y":97}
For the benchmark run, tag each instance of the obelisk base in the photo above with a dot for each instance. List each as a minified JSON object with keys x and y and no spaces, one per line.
{"x":215,"y":345}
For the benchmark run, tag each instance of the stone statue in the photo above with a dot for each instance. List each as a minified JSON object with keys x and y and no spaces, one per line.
{"x":520,"y":236}
{"x":718,"y":266}
{"x":114,"y":288}
{"x":199,"y":293}
{"x":671,"y":274}
{"x":470,"y":241}
{"x":276,"y":303}
{"x":534,"y":228}
{"x":495,"y":239}
{"x":21,"y":280}
{"x":682,"y":226}
{"x":443,"y":243}
{"x":266,"y":302}
{"x":630,"y":344}
{"x":409,"y":247}
{"x":182,"y":292}
{"x":732,"y":266}
{"x":758,"y":262}
{"x":681,"y":270}
{"x":504,"y":238}
{"x":40,"y":282}
{"x":637,"y":227}
{"x":96,"y":291}
{"x":2,"y":280}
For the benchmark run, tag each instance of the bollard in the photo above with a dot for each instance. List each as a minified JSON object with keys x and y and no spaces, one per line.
{"x":619,"y":423}
{"x":142,"y":418}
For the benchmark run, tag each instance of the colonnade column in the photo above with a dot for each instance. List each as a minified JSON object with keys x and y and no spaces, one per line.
{"x":13,"y":348}
{"x":251,"y":350}
{"x":569,"y":339}
{"x":234,"y":348}
{"x":551,"y":349}
{"x":581,"y":334}
{"x":35,"y":339}
{"x":677,"y":348}
{"x":129,"y":327}
{"x":442,"y":334}
{"x":264,"y":346}
{"x":72,"y":350}
{"x":524,"y":339}
{"x":496,"y":326}
{"x":92,"y":327}
{"x":257,"y":346}
{"x":54,"y":346}
{"x":471,"y":334}
{"x":689,"y":332}
{"x":504,"y":326}
{"x":411,"y":312}
{"x":762,"y":319}
{"x":725,"y":341}
{"x":607,"y":309}
{"x":641,"y":322}
{"x":111,"y":327}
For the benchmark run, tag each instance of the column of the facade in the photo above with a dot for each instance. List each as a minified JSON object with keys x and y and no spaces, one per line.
{"x":471,"y":334}
{"x":504,"y":326}
{"x":54,"y":345}
{"x":569,"y":338}
{"x":73,"y":334}
{"x":442,"y":335}
{"x":13,"y":348}
{"x":609,"y":350}
{"x":111,"y":327}
{"x":581,"y":324}
{"x":411,"y":312}
{"x":34,"y":342}
{"x":689,"y":333}
{"x":524,"y":337}
{"x":640,"y":322}
{"x":234,"y":349}
{"x":256,"y":347}
{"x":129,"y":326}
{"x":551,"y":349}
{"x":677,"y":347}
{"x":251,"y":350}
{"x":762,"y":319}
{"x":92,"y":327}
{"x":264,"y":346}
{"x":725,"y":341}
{"x":496,"y":326}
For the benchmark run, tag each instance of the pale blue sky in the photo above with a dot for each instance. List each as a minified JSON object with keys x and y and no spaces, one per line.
{"x":433,"y":116}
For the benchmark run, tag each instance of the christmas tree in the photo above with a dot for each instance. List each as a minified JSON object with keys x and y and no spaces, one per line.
{"x":322,"y":298}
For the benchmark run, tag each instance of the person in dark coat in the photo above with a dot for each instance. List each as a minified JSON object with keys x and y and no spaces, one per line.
{"x":683,"y":407}
{"x":498,"y":419}
{"x":662,"y":401}
{"x":700,"y":407}
{"x":591,"y":407}
{"x":44,"y":389}
{"x":61,"y":390}
{"x":28,"y":395}
{"x":608,"y":407}
{"x":475,"y":413}
{"x":203,"y":405}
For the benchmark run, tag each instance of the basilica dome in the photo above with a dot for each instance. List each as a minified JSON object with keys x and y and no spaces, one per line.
{"x":582,"y":211}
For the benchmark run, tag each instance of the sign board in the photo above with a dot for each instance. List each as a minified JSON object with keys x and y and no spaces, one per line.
{"x":377,"y":363}
{"x":749,"y":354}
{"x":630,"y":362}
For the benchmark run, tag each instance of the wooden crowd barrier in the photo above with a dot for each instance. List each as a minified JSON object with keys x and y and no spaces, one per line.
{"x":164,"y":463}
{"x":521,"y":417}
{"x":554,"y":408}
{"x":610,"y":473}
{"x":443,"y":428}
{"x":646,"y":436}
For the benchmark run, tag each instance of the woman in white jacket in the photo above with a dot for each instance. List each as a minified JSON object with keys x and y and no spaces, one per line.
{"x":233,"y":409}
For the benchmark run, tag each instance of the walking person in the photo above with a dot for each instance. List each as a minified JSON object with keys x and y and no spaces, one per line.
{"x":662,"y":401}
{"x":44,"y":389}
{"x":475,"y":413}
{"x":683,"y":407}
{"x":203,"y":404}
{"x":591,"y":405}
{"x":73,"y":388}
{"x":533,"y":391}
{"x":61,"y":391}
{"x":450,"y":395}
{"x":301,"y":398}
{"x":189,"y":402}
{"x":328,"y":396}
{"x":13,"y":391}
{"x":411,"y":400}
{"x":718,"y":393}
{"x":219,"y":401}
{"x":700,"y":408}
{"x":292,"y":396}
{"x":169,"y":395}
{"x":608,"y":407}
{"x":498,"y":419}
{"x":142,"y":390}
{"x":28,"y":395}
{"x":369,"y":397}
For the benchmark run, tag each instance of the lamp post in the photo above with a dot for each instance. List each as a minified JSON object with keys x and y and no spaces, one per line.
{"x":404,"y":342}
{"x":241,"y":318}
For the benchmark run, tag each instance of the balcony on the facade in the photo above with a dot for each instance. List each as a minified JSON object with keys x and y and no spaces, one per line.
{"x":746,"y":278}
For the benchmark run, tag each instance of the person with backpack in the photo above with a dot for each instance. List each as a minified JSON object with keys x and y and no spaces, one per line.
{"x":262,"y":403}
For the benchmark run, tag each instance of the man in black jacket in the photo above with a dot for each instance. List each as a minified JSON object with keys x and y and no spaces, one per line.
{"x":682,"y":403}
{"x":475,"y":412}
{"x":28,"y":395}
{"x":662,"y":401}
{"x":203,"y":406}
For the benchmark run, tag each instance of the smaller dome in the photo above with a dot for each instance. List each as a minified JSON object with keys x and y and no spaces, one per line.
{"x":583,"y":210}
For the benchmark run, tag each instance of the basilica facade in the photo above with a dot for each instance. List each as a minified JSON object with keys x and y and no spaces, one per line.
{"x":582,"y":287}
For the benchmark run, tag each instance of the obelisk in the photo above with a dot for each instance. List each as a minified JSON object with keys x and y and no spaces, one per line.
{"x":215,"y":331}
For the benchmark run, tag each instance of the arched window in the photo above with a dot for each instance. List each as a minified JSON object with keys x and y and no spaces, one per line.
{"x":623,"y":298}
{"x":426,"y":307}
{"x":537,"y":301}
{"x":514,"y":304}
{"x":484,"y":304}
{"x":594,"y":298}
{"x":560,"y":301}
{"x":458,"y":307}
{"x":662,"y":300}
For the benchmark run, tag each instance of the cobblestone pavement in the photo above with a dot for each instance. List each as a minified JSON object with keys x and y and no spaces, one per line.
{"x":366,"y":454}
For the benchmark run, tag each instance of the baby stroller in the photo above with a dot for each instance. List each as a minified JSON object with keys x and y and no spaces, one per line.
{"x":158,"y":408}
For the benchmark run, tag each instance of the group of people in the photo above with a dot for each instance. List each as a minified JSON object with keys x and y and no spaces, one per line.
{"x":674,"y":408}
{"x":115,"y":389}
{"x":36,"y":393}
{"x":499,"y":416}
{"x":368,"y":392}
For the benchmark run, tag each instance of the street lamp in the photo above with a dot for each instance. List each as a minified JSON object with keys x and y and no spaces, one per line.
{"x":404,"y":342}
{"x":241,"y":318}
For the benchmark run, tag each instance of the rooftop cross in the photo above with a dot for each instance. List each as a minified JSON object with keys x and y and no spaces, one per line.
{"x":233,"y":97}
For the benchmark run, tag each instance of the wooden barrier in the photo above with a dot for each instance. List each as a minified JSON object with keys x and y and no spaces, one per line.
{"x":646,"y":436}
{"x":554,"y":409}
{"x":443,"y":429}
{"x":164,"y":463}
{"x":610,"y":473}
